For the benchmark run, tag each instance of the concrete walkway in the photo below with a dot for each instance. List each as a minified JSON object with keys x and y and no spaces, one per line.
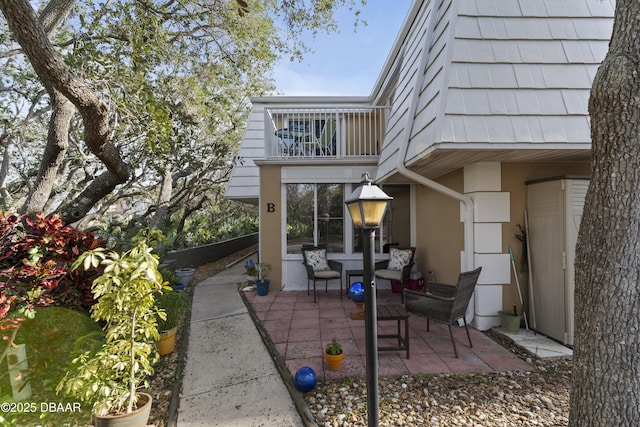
{"x":230,"y":378}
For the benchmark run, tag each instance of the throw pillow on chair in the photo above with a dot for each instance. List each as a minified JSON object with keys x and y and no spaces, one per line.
{"x":398,"y":258}
{"x":317,"y":260}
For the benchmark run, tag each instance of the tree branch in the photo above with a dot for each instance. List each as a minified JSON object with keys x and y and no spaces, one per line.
{"x":51,"y":69}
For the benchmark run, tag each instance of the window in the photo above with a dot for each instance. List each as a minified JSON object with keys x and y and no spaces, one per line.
{"x":315,"y":215}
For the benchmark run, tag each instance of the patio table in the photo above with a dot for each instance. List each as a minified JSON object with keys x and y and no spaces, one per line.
{"x":394,"y":312}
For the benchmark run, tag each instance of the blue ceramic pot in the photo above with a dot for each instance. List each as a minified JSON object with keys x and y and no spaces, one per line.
{"x":262,"y":286}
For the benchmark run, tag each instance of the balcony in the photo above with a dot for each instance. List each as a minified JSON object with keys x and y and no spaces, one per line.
{"x":324,"y":132}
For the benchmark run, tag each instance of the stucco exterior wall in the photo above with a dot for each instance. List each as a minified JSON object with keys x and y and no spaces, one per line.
{"x":439,"y":232}
{"x":270,"y":222}
{"x":401,"y":214}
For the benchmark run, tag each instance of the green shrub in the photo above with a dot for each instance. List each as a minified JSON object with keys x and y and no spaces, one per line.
{"x":174,"y":304}
{"x":111,"y":378}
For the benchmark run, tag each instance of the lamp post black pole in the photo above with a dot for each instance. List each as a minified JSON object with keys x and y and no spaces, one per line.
{"x":370,"y":329}
{"x":367,"y":205}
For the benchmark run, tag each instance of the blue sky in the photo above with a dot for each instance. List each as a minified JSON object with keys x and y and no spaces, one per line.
{"x":345,"y":63}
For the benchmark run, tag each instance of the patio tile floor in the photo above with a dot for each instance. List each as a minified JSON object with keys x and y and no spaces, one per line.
{"x":300,"y":328}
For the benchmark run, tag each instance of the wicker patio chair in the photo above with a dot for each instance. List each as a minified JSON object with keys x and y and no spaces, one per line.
{"x":320,"y":268}
{"x":398,"y":266}
{"x":444,"y":303}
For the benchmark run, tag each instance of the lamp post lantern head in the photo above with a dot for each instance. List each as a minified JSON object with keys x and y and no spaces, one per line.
{"x":367,"y":204}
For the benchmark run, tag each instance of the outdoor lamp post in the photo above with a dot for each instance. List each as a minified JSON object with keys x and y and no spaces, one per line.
{"x":367,"y":205}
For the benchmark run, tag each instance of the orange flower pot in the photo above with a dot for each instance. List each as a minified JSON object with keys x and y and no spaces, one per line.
{"x":167,"y":342}
{"x":334,"y":362}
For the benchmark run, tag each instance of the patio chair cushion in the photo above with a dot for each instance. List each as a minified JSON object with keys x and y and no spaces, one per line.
{"x":389,"y":274}
{"x":398,"y":258}
{"x":317,"y":260}
{"x":330,"y":274}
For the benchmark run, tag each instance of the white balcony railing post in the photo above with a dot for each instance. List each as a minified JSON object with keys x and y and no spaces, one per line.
{"x":270,"y":137}
{"x":328,"y":131}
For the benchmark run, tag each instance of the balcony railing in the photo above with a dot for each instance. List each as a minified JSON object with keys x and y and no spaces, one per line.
{"x":324,"y":132}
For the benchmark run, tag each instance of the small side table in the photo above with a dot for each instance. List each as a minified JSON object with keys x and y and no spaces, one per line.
{"x":397,"y":313}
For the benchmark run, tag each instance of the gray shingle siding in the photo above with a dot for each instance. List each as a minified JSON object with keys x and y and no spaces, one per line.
{"x":245,"y":180}
{"x":501,"y":71}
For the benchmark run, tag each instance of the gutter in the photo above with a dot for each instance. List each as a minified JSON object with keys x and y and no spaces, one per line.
{"x":467,"y":202}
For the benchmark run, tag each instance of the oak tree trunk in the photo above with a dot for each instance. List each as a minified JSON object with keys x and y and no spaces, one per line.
{"x":50,"y":67}
{"x":606,"y":366}
{"x":164,"y":198}
{"x":57,"y":143}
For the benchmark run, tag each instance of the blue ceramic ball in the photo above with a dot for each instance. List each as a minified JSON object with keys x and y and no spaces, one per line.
{"x":305,"y":379}
{"x":356,"y":291}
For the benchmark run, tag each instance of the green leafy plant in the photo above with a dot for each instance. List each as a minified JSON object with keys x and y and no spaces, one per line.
{"x":125,"y":292}
{"x":36,"y":254}
{"x":333,"y":348}
{"x":263,"y":269}
{"x":169,"y":276}
{"x":174,"y":305}
{"x":250,"y":267}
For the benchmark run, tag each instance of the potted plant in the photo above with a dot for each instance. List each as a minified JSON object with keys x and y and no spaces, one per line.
{"x":171,"y":278}
{"x":111,"y":377}
{"x":334,"y":354}
{"x":250,"y":270}
{"x":262,"y":283}
{"x":172,"y":306}
{"x":510,"y":320}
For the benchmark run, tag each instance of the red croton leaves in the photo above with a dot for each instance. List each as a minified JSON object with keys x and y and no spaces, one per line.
{"x":36,"y":253}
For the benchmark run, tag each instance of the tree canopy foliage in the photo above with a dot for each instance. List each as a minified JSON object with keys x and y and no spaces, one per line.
{"x":136,"y":107}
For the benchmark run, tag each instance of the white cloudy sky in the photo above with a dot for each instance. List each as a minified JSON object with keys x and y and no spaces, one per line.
{"x":345,"y":63}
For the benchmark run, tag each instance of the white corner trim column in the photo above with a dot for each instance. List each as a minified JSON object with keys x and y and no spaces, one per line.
{"x":482,"y":182}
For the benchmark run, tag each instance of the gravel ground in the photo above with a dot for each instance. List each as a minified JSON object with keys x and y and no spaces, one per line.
{"x":507,"y":399}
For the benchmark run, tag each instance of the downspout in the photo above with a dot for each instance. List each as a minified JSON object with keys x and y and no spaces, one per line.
{"x":467,"y":202}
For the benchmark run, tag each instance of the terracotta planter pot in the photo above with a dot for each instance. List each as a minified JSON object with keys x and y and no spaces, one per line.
{"x":334,"y":362}
{"x":136,"y":418}
{"x":167,"y":342}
